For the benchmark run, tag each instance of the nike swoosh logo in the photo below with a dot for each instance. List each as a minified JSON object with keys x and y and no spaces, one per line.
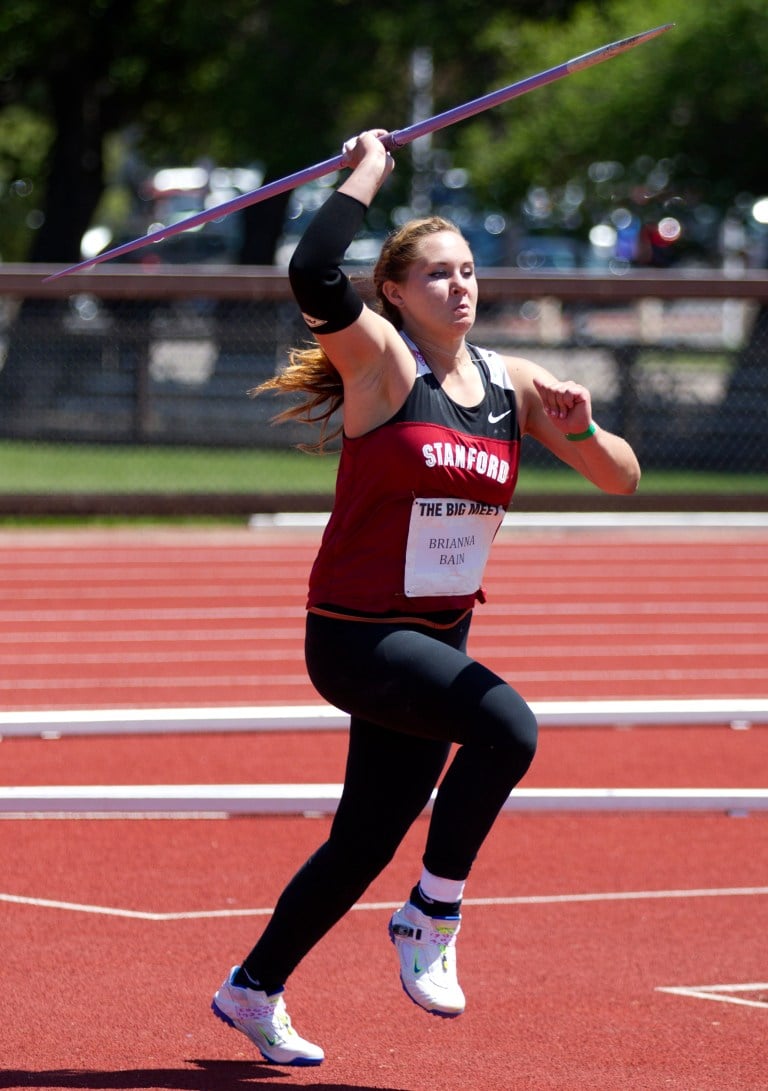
{"x":493,"y":418}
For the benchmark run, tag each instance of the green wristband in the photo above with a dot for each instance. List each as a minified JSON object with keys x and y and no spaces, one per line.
{"x":576,"y":437}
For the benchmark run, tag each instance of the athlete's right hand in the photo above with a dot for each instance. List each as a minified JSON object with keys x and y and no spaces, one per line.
{"x":367,"y":145}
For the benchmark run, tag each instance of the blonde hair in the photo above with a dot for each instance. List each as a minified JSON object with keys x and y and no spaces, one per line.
{"x":310,"y":371}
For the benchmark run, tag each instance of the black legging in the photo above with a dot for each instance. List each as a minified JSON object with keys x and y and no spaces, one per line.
{"x":411,"y":691}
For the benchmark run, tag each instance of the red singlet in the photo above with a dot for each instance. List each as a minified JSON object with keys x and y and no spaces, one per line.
{"x":419,"y":500}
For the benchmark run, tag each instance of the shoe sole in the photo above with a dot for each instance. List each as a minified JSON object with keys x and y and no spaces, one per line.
{"x":431,"y":1011}
{"x":297,"y":1062}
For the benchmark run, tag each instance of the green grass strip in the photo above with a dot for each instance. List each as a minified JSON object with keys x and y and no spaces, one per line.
{"x":30,"y":467}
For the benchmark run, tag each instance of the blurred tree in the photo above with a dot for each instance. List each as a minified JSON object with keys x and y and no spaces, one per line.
{"x":176,"y":81}
{"x":234,"y":82}
{"x":87,"y":69}
{"x":282,"y":84}
{"x":684,"y":115}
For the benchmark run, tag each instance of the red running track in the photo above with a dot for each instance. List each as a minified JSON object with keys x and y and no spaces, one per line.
{"x":581,"y":922}
{"x":162,"y":619}
{"x":116,"y":932}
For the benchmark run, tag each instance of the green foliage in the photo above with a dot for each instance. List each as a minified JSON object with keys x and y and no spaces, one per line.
{"x":695,"y":98}
{"x":246,"y":81}
{"x":24,"y":137}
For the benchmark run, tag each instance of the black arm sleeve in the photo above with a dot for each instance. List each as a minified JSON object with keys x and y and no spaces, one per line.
{"x":327,"y":300}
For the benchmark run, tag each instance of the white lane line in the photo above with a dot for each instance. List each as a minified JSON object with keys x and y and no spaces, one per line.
{"x":532,"y":628}
{"x":507,"y":651}
{"x":203,"y":655}
{"x":221,"y":613}
{"x":294,"y":717}
{"x":323,"y":799}
{"x":722,"y":993}
{"x":497,"y":607}
{"x":193,"y":682}
{"x":557,"y":520}
{"x":523,"y":900}
{"x":77,"y":907}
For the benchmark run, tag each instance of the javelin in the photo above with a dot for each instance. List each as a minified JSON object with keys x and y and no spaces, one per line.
{"x":397,"y":139}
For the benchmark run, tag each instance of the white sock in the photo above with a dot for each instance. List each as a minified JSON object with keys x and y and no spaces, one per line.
{"x":441,"y":890}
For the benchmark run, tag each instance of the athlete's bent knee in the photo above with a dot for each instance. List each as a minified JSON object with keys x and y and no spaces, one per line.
{"x":510,"y":723}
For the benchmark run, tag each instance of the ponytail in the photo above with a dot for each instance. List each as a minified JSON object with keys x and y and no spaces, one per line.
{"x":311,"y":372}
{"x":308,"y":371}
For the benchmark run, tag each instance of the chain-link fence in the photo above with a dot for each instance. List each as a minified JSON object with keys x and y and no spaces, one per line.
{"x":678,"y":363}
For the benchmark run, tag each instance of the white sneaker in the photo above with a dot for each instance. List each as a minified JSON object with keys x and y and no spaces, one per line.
{"x":426,"y":947}
{"x":265,"y":1021}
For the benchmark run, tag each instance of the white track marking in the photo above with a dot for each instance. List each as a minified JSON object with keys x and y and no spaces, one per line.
{"x":230,"y":718}
{"x":523,"y":900}
{"x":530,"y":651}
{"x":722,"y":993}
{"x":323,"y":799}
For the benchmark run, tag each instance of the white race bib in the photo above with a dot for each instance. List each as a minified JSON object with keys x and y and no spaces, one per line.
{"x":448,"y":546}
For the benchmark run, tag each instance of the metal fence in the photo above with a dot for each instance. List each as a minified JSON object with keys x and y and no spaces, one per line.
{"x":676,"y":361}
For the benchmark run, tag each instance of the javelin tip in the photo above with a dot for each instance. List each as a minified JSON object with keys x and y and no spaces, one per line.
{"x":604,"y":52}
